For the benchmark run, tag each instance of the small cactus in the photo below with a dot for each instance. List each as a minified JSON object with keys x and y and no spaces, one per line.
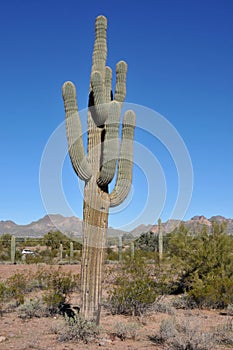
{"x":71,"y":251}
{"x":61,"y":251}
{"x":132,"y":250}
{"x":160,"y":235}
{"x":120,"y":248}
{"x":13,"y":249}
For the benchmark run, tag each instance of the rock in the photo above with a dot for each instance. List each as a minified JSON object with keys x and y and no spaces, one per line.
{"x":101,"y":343}
{"x":104,"y":341}
{"x":2,"y":338}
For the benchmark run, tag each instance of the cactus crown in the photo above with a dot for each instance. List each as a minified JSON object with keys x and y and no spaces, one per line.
{"x":103,"y":122}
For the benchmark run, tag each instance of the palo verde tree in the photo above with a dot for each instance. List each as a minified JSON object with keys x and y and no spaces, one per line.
{"x":97,"y":168}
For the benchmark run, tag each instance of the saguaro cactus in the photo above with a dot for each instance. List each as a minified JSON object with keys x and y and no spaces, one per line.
{"x":71,"y":251}
{"x":61,"y":252}
{"x":120,"y":248}
{"x":98,"y":167}
{"x":13,"y":249}
{"x":132,"y":250}
{"x":160,"y":240}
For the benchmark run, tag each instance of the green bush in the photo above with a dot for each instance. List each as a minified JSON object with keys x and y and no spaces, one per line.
{"x":53,"y":239}
{"x":59,"y":286}
{"x":133,"y":290}
{"x":126,"y":330}
{"x":147,"y":241}
{"x":215,"y":290}
{"x":32,"y":308}
{"x":185,"y":336}
{"x":78,"y":329}
{"x":112,"y":255}
{"x":204,"y":265}
{"x":17,"y":286}
{"x":224,"y":333}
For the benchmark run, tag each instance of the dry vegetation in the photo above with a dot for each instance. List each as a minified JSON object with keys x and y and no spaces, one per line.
{"x":28,"y":323}
{"x":182,"y":302}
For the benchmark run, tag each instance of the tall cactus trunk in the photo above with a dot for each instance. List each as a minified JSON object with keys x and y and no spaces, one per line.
{"x":95,"y":223}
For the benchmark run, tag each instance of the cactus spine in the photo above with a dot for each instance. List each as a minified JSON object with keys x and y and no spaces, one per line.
{"x":13,"y":249}
{"x":98,"y":167}
{"x":160,"y":234}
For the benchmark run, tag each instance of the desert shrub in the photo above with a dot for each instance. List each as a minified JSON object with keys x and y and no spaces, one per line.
{"x":40,"y":279}
{"x":59,"y":286}
{"x":78,"y":329}
{"x":131,"y":297}
{"x":133,"y":290}
{"x":229,"y":310}
{"x":17,"y":286}
{"x":32,"y":308}
{"x":111,"y":254}
{"x":53,"y":239}
{"x":3,"y":291}
{"x":185,"y":336}
{"x":162,"y":307}
{"x":147,"y":241}
{"x":13,"y":290}
{"x":54,"y":301}
{"x":5,"y":244}
{"x":5,"y":240}
{"x":126,"y":330}
{"x":168,"y":329}
{"x":4,"y":255}
{"x":216,"y":290}
{"x":204,"y":265}
{"x":224,"y":333}
{"x":184,"y":302}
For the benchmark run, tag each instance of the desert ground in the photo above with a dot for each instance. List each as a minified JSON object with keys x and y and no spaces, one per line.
{"x":40,"y":333}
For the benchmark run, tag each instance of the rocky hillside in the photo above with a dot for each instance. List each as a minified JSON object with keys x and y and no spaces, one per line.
{"x":67,"y":225}
{"x":196,"y":224}
{"x":73,"y":226}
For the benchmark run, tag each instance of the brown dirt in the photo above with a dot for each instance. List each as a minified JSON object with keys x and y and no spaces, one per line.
{"x":38,"y":333}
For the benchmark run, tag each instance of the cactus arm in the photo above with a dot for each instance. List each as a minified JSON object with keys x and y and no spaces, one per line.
{"x":108,"y":84}
{"x":99,"y":111}
{"x":120,"y":89}
{"x":74,"y":133}
{"x":110,"y":145}
{"x":125,"y":162}
{"x":100,"y":46}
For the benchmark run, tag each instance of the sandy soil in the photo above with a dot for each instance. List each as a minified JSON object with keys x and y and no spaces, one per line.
{"x":38,"y":333}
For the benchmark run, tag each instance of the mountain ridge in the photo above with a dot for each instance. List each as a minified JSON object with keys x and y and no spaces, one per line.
{"x":72,"y":226}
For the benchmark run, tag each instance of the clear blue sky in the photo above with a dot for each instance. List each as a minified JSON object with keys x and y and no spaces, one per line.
{"x":180,"y":56}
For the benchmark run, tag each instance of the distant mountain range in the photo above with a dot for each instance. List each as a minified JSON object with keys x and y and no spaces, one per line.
{"x":72,"y":226}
